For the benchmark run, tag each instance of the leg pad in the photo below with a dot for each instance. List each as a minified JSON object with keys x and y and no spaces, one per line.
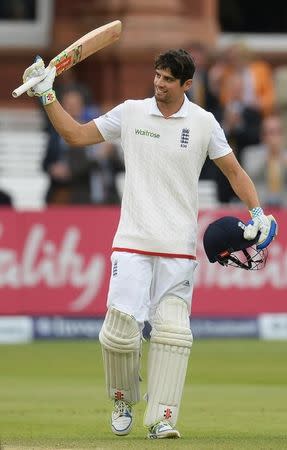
{"x":120,"y":339}
{"x":170,"y":344}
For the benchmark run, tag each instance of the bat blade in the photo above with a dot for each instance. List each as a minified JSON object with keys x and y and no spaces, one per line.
{"x":88,"y":44}
{"x":79,"y":50}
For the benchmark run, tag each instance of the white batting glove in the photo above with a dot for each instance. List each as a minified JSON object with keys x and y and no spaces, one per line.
{"x":44,"y":88}
{"x":266,"y":225}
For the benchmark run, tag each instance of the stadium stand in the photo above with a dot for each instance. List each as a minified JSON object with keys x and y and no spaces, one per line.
{"x":22,"y":143}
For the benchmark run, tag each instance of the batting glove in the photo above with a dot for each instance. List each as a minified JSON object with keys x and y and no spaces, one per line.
{"x":44,"y":88}
{"x":266,"y":225}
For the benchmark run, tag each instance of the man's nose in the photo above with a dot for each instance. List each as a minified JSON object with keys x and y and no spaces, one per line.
{"x":160,"y":81}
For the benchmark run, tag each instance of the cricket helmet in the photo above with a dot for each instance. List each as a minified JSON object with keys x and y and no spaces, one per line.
{"x":224,"y":242}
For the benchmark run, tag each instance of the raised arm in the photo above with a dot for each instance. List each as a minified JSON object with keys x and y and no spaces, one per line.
{"x":74,"y":133}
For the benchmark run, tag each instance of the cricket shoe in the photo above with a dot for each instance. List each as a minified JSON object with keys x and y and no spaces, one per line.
{"x":122,"y":418}
{"x":163,"y":430}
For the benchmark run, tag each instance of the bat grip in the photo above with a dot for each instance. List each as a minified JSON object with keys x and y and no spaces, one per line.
{"x":29,"y":84}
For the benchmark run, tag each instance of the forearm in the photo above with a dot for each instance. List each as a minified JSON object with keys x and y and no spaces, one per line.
{"x":240,"y":181}
{"x":75,"y":134}
{"x":244,"y":188}
{"x":63,"y":123}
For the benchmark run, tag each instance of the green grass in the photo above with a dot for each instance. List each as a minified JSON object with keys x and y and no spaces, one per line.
{"x":52,"y":396}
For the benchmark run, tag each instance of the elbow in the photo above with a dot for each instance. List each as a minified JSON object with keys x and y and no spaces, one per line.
{"x":73,"y":138}
{"x":72,"y":141}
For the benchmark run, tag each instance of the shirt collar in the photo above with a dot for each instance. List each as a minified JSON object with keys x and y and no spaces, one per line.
{"x":182,"y":112}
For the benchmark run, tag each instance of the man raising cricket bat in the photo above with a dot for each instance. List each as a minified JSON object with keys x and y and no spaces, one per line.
{"x":165,"y":140}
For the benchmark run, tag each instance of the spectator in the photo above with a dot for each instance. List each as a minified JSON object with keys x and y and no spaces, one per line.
{"x":77,"y":175}
{"x":267,"y":162}
{"x":17,"y":9}
{"x":257,"y":75}
{"x":241,"y":121}
{"x":241,"y":124}
{"x":68,"y":82}
{"x":202,"y":94}
{"x":5,"y":199}
{"x":201,"y":91}
{"x":280,"y":82}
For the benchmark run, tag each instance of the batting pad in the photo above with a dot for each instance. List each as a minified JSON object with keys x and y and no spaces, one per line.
{"x":120,"y":339}
{"x":170,"y":344}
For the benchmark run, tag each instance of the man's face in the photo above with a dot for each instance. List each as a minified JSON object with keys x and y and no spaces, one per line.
{"x":73,"y":103}
{"x":273,"y":133}
{"x":167,"y":89}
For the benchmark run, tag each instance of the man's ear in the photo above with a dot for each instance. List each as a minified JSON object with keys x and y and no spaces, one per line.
{"x":187,"y":84}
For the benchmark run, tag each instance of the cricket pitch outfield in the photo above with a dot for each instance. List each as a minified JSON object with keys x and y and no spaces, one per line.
{"x":52,"y":396}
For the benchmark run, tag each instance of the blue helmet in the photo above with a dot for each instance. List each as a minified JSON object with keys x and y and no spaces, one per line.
{"x":224,"y":242}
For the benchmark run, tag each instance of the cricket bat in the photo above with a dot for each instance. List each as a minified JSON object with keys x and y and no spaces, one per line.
{"x":88,"y":44}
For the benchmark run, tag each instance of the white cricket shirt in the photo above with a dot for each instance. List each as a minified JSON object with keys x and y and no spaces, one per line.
{"x":163,"y":160}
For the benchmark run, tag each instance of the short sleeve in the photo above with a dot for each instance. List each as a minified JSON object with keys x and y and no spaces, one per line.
{"x":110,"y":123}
{"x":218,"y":145}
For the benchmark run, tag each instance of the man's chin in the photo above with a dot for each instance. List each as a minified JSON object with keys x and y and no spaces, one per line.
{"x":160,"y":96}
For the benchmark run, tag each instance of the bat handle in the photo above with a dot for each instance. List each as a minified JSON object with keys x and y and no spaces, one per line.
{"x":29,"y":84}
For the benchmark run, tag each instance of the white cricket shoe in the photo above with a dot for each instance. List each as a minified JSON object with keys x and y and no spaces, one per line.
{"x":163,"y":430}
{"x":122,"y":418}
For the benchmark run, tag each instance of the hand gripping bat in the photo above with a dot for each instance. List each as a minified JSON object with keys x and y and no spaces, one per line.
{"x":88,"y":44}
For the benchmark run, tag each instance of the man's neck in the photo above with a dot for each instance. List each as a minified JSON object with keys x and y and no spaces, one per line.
{"x":168,"y":109}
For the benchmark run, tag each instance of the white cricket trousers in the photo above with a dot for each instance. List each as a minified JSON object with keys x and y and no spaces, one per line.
{"x":139,"y":282}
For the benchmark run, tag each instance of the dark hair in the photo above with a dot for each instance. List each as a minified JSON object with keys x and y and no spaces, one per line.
{"x":74,"y":87}
{"x":179,"y":62}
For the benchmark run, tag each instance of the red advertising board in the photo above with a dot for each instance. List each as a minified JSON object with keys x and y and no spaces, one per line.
{"x":57,"y":262}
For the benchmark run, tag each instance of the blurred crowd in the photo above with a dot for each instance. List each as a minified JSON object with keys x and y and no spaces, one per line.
{"x":241,"y":91}
{"x":80,"y":175}
{"x":17,"y":9}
